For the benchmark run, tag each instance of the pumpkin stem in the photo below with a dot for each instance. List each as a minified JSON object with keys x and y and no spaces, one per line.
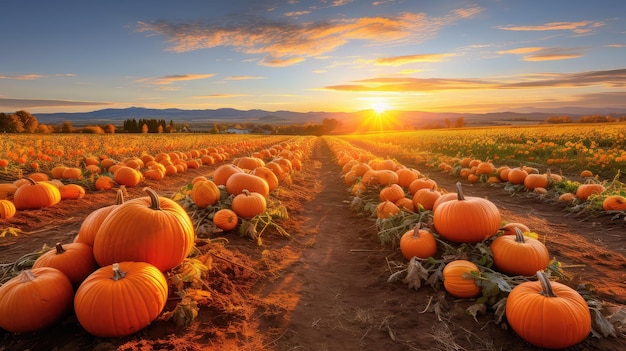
{"x":31,"y":180}
{"x":117,"y":272}
{"x":459,"y":192}
{"x":519,"y":236}
{"x":59,"y":248}
{"x":27,"y":276}
{"x":154,"y":199}
{"x":546,"y":286}
{"x":119,"y":198}
{"x":246,"y":191}
{"x":416,"y":230}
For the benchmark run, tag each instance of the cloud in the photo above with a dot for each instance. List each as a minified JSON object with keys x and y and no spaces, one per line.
{"x":403,"y":60}
{"x":545,"y":53}
{"x":286,"y":43}
{"x":610,"y":78}
{"x":214,"y":96}
{"x":580,"y":27}
{"x":23,"y":77}
{"x":27,"y":103}
{"x":296,"y":13}
{"x":243,"y":77}
{"x":166,"y":80}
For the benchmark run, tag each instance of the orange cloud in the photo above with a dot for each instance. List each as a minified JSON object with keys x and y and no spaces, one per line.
{"x":403,"y":60}
{"x":166,"y":80}
{"x":577,"y":27}
{"x":24,"y":77}
{"x":545,"y":53}
{"x":287,"y":43}
{"x":243,"y":77}
{"x":212,"y":96}
{"x":28,"y":103}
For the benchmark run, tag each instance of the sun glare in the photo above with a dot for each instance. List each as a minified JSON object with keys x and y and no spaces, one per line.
{"x":379,"y":117}
{"x":380,"y":106}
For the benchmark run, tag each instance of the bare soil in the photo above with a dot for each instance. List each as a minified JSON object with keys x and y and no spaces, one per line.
{"x":325,"y":287}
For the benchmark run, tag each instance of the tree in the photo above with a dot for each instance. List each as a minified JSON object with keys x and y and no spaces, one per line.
{"x":144,"y":128}
{"x":10,"y":123}
{"x":66,"y":127}
{"x":109,"y":128}
{"x":29,"y":121}
{"x":329,"y":124}
{"x":459,"y":123}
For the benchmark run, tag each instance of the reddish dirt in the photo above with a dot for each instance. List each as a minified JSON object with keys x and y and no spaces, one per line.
{"x":325,"y":287}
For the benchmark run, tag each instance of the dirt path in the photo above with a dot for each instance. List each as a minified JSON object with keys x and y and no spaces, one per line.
{"x":326,"y":288}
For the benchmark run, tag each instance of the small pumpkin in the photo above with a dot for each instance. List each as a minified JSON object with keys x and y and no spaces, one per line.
{"x":268,"y":175}
{"x":249,"y":204}
{"x":519,"y":255}
{"x":35,"y":299}
{"x":509,"y":228}
{"x":120,"y":299}
{"x":205,"y":193}
{"x":7,"y":209}
{"x":36,"y":195}
{"x":225,"y":219}
{"x":72,"y":173}
{"x":614,"y":203}
{"x":517,"y":175}
{"x":425,"y":198}
{"x":457,"y":280}
{"x":90,"y":225}
{"x":548,"y":314}
{"x":127,"y":176}
{"x":386,"y":209}
{"x":585,"y":190}
{"x":104,"y":183}
{"x":75,"y":260}
{"x":72,"y":192}
{"x":533,"y":181}
{"x":159,"y":226}
{"x":418,"y":243}
{"x":466,"y":219}
{"x":393,"y":193}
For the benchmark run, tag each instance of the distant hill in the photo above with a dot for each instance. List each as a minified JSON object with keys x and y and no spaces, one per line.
{"x":348,"y":120}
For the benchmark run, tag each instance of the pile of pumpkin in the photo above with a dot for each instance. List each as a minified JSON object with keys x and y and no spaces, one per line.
{"x":544,"y":313}
{"x":112,"y":275}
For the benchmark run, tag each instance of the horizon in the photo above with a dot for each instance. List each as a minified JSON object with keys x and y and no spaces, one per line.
{"x":314,"y":56}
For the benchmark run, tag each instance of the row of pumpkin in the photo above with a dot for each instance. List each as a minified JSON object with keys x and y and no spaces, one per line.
{"x":544,"y":313}
{"x":113,"y":273}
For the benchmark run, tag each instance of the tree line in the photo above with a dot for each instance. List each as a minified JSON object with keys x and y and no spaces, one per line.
{"x":585,"y":119}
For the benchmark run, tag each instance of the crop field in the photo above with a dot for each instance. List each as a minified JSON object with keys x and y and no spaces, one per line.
{"x":414,"y":240}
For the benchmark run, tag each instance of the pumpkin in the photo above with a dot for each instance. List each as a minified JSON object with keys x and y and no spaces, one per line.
{"x":223,"y":172}
{"x":567,"y":197}
{"x":237,"y":182}
{"x":7,"y":209}
{"x":72,"y":192}
{"x":548,"y":314}
{"x":384,"y":177}
{"x":457,"y":279}
{"x":466,"y":219}
{"x":533,"y":181}
{"x":614,"y":203}
{"x":509,"y":228}
{"x":386,"y":209}
{"x":519,"y":255}
{"x":205,"y":193}
{"x":149,"y":229}
{"x":249,"y":204}
{"x":425,"y":198}
{"x":268,"y":175}
{"x":104,"y":183}
{"x":585,"y":190}
{"x":248,"y":163}
{"x":120,"y":299}
{"x":405,"y":204}
{"x":517,"y":175}
{"x":586,"y":174}
{"x":57,"y":172}
{"x":72,"y":173}
{"x":393,"y":193}
{"x":443,"y":198}
{"x":418,"y":243}
{"x":39,"y":177}
{"x":154,"y":174}
{"x":35,"y":299}
{"x":485,"y":167}
{"x":127,"y":176}
{"x":225,"y":219}
{"x":90,"y":225}
{"x":36,"y":195}
{"x":421,"y":183}
{"x":75,"y":260}
{"x":406,"y":176}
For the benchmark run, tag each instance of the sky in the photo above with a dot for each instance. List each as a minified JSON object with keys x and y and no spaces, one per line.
{"x":312,"y":55}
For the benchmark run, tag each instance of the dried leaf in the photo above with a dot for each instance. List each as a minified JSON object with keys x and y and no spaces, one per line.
{"x":415,"y":274}
{"x":475,"y":309}
{"x":600,"y":326}
{"x":500,"y":309}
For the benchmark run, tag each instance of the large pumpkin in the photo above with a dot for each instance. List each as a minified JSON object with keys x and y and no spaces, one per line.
{"x":75,"y":260}
{"x":614,"y":203}
{"x":249,"y":204}
{"x":36,"y":195}
{"x":120,"y":299}
{"x":149,"y":229}
{"x":90,"y":225}
{"x":466,"y":219}
{"x":548,"y":314}
{"x":223,"y":172}
{"x":519,"y":255}
{"x":457,"y":280}
{"x":34,"y":299}
{"x":237,"y":182}
{"x":418,"y":242}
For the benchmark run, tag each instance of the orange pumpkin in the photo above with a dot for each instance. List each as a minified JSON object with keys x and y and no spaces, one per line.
{"x":75,"y":260}
{"x":509,"y":228}
{"x":36,"y":195}
{"x":421,"y":183}
{"x":533,"y":181}
{"x":7,"y":209}
{"x":104,"y":183}
{"x":237,"y":182}
{"x":72,"y":192}
{"x":393,"y":193}
{"x":456,"y":279}
{"x":386,"y":209}
{"x":614,"y":203}
{"x":72,"y":173}
{"x":519,"y":255}
{"x":418,"y":242}
{"x":249,"y":204}
{"x":35,"y":299}
{"x":151,"y":229}
{"x":120,"y":299}
{"x":127,"y":176}
{"x":548,"y":314}
{"x":267,"y":174}
{"x":225,"y":219}
{"x":223,"y":172}
{"x":205,"y":193}
{"x":425,"y":198}
{"x":466,"y":219}
{"x":517,"y":175}
{"x":90,"y":225}
{"x":585,"y":190}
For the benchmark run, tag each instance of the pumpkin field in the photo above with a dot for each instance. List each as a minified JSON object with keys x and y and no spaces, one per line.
{"x":459,"y":239}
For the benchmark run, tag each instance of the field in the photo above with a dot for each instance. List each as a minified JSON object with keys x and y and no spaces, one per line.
{"x":321,"y":267}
